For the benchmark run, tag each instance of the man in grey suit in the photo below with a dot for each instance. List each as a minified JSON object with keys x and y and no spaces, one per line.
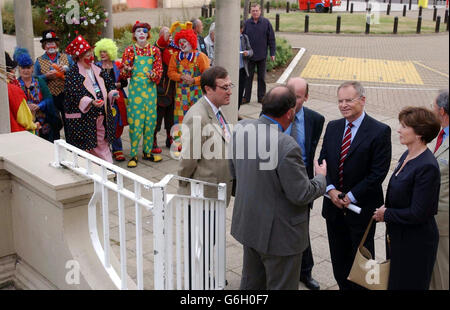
{"x":439,"y":279}
{"x":273,"y":191}
{"x":216,"y":87}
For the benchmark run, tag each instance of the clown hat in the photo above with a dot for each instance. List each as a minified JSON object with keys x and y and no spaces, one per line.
{"x":138,"y":24}
{"x":49,"y":35}
{"x":22,"y":57}
{"x":78,"y":47}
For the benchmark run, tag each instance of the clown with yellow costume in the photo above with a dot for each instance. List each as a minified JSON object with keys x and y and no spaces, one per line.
{"x":143,"y":65}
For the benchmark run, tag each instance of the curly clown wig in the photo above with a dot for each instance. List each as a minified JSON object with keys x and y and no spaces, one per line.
{"x":22,"y":57}
{"x":189,"y":35}
{"x":108,"y":46}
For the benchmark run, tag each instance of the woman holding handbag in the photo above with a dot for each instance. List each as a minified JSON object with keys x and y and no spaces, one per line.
{"x":411,"y":203}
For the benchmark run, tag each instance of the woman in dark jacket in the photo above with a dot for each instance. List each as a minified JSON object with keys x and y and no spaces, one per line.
{"x":88,"y":102}
{"x":411,"y":203}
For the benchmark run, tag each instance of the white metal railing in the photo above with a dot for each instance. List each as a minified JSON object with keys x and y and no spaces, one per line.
{"x":188,"y":231}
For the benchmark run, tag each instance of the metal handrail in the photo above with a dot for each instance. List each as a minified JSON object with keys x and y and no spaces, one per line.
{"x":162,"y":208}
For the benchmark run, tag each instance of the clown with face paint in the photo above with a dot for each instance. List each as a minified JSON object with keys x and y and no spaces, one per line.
{"x":185,"y":68}
{"x":143,"y":65}
{"x":51,"y":68}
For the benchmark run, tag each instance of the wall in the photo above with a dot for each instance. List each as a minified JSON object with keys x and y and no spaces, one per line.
{"x":44,"y":219}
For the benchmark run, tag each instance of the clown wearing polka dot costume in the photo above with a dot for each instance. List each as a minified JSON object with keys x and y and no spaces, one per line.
{"x":143,"y":65}
{"x":90,"y":94}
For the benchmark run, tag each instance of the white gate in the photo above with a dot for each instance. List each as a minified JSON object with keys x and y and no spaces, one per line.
{"x":188,"y":231}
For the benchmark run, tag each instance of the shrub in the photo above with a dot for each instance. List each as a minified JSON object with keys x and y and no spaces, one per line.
{"x":283,"y":53}
{"x":39,"y":3}
{"x":8,"y":18}
{"x":206,"y":24}
{"x":39,"y":21}
{"x":126,"y":39}
{"x":90,"y":22}
{"x":120,"y":31}
{"x":38,"y":16}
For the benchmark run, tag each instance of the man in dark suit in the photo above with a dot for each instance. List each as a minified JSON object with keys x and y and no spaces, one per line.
{"x":273,"y":191}
{"x":358,"y":150}
{"x":306,"y":130}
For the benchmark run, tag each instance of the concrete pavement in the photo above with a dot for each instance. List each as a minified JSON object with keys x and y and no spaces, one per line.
{"x":428,"y":56}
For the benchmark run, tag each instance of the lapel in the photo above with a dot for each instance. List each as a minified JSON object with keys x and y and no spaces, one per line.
{"x":360,"y":135}
{"x":308,"y":130}
{"x":87,"y":82}
{"x":442,"y":148}
{"x":213,"y":118}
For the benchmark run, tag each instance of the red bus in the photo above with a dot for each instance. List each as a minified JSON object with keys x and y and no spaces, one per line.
{"x":318,"y":5}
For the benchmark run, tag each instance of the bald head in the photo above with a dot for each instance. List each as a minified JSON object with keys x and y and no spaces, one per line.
{"x":278,"y":101}
{"x":300,"y":88}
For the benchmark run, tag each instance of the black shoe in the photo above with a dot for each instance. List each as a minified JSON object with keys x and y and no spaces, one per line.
{"x":310,"y":283}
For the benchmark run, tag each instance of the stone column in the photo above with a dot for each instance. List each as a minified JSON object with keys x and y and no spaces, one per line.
{"x":4,"y":104}
{"x":24,"y":25}
{"x":226,"y":48}
{"x":108,"y":31}
{"x":246,"y":8}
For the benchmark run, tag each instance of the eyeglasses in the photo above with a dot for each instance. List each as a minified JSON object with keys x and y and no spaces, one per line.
{"x":341,"y":101}
{"x":226,"y":87}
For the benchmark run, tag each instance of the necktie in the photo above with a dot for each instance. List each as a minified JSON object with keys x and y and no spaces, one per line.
{"x":223,"y":125}
{"x":439,"y":140}
{"x":344,"y":150}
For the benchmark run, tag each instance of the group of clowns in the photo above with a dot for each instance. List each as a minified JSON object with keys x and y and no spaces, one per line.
{"x":70,"y":90}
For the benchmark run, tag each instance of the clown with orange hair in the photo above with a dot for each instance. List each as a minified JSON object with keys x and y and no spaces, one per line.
{"x":185,"y":68}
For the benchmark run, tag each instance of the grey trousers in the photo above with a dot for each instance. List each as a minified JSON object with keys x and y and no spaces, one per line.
{"x":269,"y":272}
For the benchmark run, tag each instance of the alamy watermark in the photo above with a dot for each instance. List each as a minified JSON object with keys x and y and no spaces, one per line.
{"x":251,"y":141}
{"x":73,"y":275}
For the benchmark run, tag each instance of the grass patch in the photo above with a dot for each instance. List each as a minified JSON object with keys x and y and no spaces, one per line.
{"x":350,"y":23}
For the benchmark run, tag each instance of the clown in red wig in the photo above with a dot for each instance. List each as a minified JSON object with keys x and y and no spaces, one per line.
{"x":185,"y":68}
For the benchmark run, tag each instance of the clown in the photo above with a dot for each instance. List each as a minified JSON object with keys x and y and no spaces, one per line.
{"x":51,"y":67}
{"x":185,"y":68}
{"x":106,"y":52}
{"x":166,"y":87}
{"x":38,"y":96}
{"x":143,"y":65}
{"x":90,"y":94}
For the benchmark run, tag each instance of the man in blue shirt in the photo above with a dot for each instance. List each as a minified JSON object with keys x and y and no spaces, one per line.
{"x":306,"y":130}
{"x":261,"y":35}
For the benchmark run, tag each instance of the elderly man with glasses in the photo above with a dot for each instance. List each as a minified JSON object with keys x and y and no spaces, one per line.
{"x":358,"y":150}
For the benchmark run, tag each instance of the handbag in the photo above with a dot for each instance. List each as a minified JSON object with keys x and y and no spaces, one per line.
{"x":366,"y":271}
